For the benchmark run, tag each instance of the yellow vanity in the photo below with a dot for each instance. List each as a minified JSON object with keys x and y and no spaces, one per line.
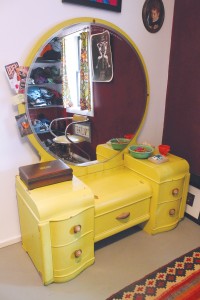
{"x":61,"y":222}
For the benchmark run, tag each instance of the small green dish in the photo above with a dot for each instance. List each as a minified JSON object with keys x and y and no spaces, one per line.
{"x":140,"y":151}
{"x":119,"y":143}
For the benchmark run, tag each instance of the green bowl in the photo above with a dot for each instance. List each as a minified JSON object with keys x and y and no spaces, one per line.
{"x":119,"y":143}
{"x":140,"y":151}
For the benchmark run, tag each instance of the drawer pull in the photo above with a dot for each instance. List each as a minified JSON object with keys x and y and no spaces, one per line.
{"x":172,"y":212}
{"x":77,"y":228}
{"x":123,"y":216}
{"x":175,"y":192}
{"x":78,"y":253}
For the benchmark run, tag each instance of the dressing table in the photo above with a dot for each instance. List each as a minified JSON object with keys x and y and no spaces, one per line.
{"x":60,"y":223}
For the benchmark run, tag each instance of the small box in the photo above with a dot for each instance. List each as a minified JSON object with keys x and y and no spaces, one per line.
{"x":158,"y":159}
{"x":45,"y":173}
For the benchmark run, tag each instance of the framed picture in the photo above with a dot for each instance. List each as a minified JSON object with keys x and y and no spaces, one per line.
{"x":193,"y":205}
{"x":114,"y":5}
{"x":153,"y":14}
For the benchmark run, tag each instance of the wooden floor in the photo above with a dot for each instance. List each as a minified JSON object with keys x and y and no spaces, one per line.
{"x":120,"y":260}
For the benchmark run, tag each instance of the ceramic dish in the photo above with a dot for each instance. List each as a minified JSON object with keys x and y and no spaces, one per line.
{"x":140,"y":151}
{"x":119,"y":143}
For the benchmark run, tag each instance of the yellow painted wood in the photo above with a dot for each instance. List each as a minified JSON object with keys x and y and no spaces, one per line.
{"x":48,"y":217}
{"x":169,"y":182}
{"x":64,"y":260}
{"x":60,"y":223}
{"x":175,"y":168}
{"x":111,"y":222}
{"x":68,"y":227}
{"x":117,"y":191}
{"x":51,"y":201}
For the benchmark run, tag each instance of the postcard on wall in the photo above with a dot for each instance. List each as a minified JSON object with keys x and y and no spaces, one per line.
{"x":18,"y":99}
{"x":17,"y":76}
{"x":20,"y":79}
{"x":23,"y":124}
{"x":10,"y":72}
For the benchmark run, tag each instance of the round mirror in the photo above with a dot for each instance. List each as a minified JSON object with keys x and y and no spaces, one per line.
{"x":87,"y":84}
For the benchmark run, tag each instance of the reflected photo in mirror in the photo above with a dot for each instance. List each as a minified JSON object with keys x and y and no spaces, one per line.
{"x":101,"y":57}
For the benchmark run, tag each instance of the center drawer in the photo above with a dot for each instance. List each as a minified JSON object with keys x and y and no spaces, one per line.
{"x":122,"y":200}
{"x":112,"y":222}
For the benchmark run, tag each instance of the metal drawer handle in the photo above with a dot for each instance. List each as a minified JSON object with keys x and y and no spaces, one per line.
{"x":123,"y":216}
{"x":78,"y":253}
{"x":175,"y":192}
{"x":172,"y":212}
{"x":77,"y":228}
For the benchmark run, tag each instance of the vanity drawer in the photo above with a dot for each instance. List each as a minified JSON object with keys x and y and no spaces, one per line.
{"x":167,"y":214}
{"x":69,"y":230}
{"x":171,"y":190}
{"x":72,"y":257}
{"x":111,"y":222}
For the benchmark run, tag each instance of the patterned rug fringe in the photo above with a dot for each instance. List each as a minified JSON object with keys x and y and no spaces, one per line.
{"x":177,"y":280}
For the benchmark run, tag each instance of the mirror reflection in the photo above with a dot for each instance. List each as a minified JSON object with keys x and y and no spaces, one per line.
{"x":86,"y":86}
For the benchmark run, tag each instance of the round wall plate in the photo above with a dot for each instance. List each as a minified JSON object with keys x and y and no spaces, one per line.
{"x":153,"y":14}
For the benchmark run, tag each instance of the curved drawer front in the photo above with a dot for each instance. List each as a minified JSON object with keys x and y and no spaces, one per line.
{"x":68,"y":259}
{"x":69,"y":230}
{"x":167,"y":214}
{"x":171,"y":190}
{"x":111,"y":222}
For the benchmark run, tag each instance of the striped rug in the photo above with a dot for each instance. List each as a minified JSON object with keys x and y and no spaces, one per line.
{"x":178,"y":280}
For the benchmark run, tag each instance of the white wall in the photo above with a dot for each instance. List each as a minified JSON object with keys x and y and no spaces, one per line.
{"x":22,"y":23}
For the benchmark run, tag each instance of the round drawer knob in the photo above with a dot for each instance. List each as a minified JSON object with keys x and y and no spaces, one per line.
{"x":175,"y":192}
{"x":78,"y":253}
{"x":77,"y":228}
{"x":172,"y":212}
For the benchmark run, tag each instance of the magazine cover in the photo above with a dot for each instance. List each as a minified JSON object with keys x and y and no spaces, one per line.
{"x":10,"y":72}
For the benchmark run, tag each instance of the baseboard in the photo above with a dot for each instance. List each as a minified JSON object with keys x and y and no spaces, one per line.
{"x":9,"y":242}
{"x":197,"y":221}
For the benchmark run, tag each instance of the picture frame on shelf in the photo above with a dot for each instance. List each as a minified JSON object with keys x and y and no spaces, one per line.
{"x":113,"y":5}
